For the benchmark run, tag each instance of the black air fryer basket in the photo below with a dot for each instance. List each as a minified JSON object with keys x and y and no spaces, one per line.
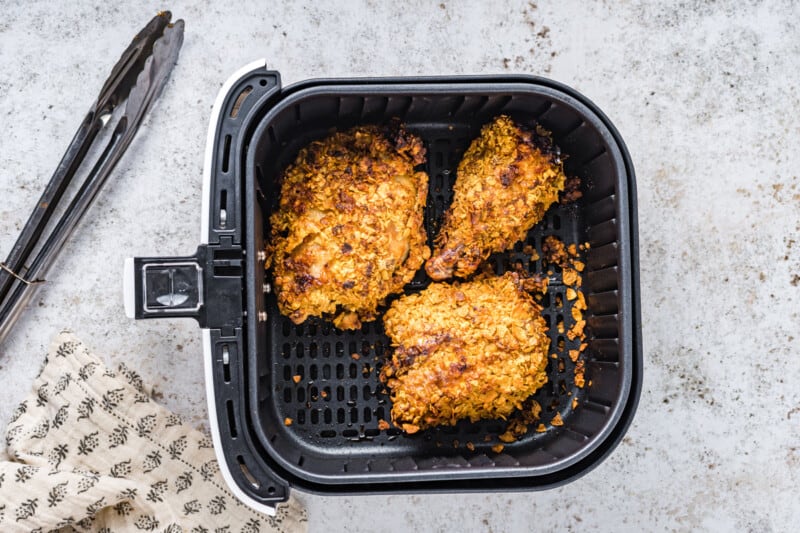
{"x":253,"y":353}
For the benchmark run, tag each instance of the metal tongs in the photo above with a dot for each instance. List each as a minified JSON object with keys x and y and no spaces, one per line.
{"x":136,"y":80}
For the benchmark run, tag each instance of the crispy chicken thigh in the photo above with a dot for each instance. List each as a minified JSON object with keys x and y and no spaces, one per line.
{"x":469,"y":350}
{"x":348,"y":231}
{"x":505,"y":182}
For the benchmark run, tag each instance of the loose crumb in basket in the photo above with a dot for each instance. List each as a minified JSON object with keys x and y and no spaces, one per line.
{"x":557,"y":420}
{"x":323,"y":394}
{"x":574,"y":403}
{"x":571,"y":294}
{"x":574,"y":354}
{"x":456,"y":443}
{"x":383,"y":425}
{"x":572,"y":190}
{"x":541,"y":428}
{"x":470,"y":446}
{"x":355,"y":356}
{"x":580,"y":368}
{"x":296,"y":378}
{"x":497,"y":448}
{"x":577,"y":331}
{"x":287,"y":421}
{"x":579,"y":266}
{"x":507,"y":437}
{"x":555,"y":253}
{"x":571,"y":277}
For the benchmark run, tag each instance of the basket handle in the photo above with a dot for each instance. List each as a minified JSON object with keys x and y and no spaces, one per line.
{"x":163,"y":287}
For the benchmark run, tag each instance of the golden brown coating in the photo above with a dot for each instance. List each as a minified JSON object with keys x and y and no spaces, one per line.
{"x":348,"y":231}
{"x":505,"y":183}
{"x":471,"y":350}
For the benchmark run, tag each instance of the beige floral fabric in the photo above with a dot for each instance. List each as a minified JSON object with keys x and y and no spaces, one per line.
{"x":90,"y":451}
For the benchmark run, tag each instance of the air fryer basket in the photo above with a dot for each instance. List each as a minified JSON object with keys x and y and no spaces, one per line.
{"x":333,"y":444}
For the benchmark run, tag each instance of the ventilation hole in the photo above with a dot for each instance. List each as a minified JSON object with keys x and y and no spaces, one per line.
{"x":367,"y":414}
{"x":327,"y":433}
{"x":365,"y":348}
{"x":353,"y":348}
{"x":226,"y":153}
{"x":312,"y":372}
{"x":560,"y":344}
{"x":372,"y":432}
{"x":378,"y":348}
{"x":326,"y":372}
{"x":353,"y":415}
{"x":301,"y":416}
{"x":240,"y":100}
{"x":312,"y":330}
{"x":286,"y":327}
{"x":223,"y":208}
{"x":326,"y":328}
{"x":231,"y":419}
{"x":350,"y":433}
{"x":326,"y":350}
{"x":299,"y":330}
{"x":315,"y":417}
{"x":299,"y":350}
{"x":226,"y":367}
{"x":327,"y":415}
{"x":379,"y":413}
{"x":366,"y":370}
{"x":246,"y":472}
{"x":339,"y":393}
{"x":546,"y":300}
{"x":301,"y":395}
{"x":339,"y":351}
{"x":340,"y":416}
{"x":353,"y":371}
{"x":262,"y":82}
{"x":353,"y":393}
{"x":312,"y":350}
{"x":556,"y":222}
{"x":367,"y":394}
{"x":326,"y":394}
{"x":340,"y":371}
{"x":313,"y":392}
{"x":561,"y":366}
{"x":287,"y":372}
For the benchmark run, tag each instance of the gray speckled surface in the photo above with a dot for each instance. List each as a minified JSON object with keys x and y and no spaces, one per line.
{"x":706,"y":96}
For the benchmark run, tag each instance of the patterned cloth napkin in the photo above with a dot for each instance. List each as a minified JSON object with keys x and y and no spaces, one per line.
{"x":90,"y":451}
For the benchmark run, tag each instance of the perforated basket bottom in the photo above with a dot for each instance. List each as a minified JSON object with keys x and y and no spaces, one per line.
{"x":339,"y":400}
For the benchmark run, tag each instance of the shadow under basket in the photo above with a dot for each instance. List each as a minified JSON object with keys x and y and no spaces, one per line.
{"x":255,"y":356}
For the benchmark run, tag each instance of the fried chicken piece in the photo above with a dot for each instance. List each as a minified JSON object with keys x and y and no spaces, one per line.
{"x":471,"y":350}
{"x":348,"y":231}
{"x":507,"y":179}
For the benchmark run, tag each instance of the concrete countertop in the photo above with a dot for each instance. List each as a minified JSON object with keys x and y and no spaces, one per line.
{"x":706,"y":97}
